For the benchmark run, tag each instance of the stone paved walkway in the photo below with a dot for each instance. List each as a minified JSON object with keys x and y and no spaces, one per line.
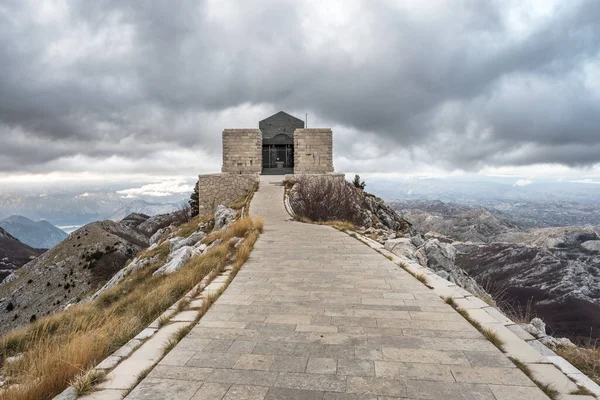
{"x":315,"y":314}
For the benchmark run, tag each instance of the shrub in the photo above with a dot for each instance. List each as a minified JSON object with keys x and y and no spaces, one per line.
{"x":323,"y":199}
{"x":194,"y":202}
{"x":358,"y":184}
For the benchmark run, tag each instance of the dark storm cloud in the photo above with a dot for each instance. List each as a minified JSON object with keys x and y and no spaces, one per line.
{"x":471,"y":83}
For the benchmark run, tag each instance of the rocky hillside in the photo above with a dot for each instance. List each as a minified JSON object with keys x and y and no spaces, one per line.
{"x":14,"y":254}
{"x":555,"y":270}
{"x":74,"y":268}
{"x":563,"y":283}
{"x":467,"y":224}
{"x":39,"y":235}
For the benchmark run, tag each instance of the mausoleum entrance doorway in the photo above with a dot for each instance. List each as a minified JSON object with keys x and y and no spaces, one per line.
{"x":278,"y":159}
{"x":278,"y":155}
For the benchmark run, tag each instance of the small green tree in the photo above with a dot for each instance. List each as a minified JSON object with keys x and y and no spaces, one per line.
{"x":195,"y":202}
{"x":358,"y":184}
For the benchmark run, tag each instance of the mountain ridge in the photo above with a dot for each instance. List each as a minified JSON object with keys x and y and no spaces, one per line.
{"x":37,"y":234}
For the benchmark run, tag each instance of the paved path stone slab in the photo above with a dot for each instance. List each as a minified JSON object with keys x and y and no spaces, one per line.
{"x":316,"y":314}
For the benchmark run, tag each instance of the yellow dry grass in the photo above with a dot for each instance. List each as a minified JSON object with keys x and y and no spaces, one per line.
{"x":59,"y":347}
{"x":238,"y":228}
{"x":585,"y":358}
{"x":341,"y":225}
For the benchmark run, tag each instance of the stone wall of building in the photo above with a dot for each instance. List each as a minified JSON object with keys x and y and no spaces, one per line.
{"x":215,"y":189}
{"x":313,"y":151}
{"x":242,"y":151}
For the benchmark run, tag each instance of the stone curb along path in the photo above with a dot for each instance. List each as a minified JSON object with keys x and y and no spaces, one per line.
{"x":124,"y":366}
{"x":546,"y":366}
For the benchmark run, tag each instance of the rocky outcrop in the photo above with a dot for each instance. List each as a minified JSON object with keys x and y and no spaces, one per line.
{"x":438,"y":256}
{"x":537,"y":328}
{"x":223,"y":217}
{"x":175,"y":261}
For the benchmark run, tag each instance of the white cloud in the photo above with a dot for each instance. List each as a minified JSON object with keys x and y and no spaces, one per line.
{"x":161,"y":189}
{"x":522,"y":182}
{"x":587,"y":180}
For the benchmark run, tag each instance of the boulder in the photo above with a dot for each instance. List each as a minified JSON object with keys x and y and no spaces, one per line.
{"x":161,"y":233}
{"x":539,"y":325}
{"x":592,"y":245}
{"x":223,"y":217}
{"x":175,"y":261}
{"x":198,"y":248}
{"x":417,"y":240}
{"x":401,"y":247}
{"x":191,"y":240}
{"x":440,"y":255}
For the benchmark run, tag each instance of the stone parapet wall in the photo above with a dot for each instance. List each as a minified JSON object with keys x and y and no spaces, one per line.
{"x":313,"y":151}
{"x":242,"y":151}
{"x":215,"y":189}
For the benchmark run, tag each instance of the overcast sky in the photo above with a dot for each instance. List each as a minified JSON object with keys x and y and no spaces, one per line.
{"x":120,"y":89}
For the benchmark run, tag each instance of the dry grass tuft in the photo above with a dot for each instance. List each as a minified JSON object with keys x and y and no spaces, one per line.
{"x":162,"y":250}
{"x":343,"y":226}
{"x":585,"y":358}
{"x":450,"y":301}
{"x":546,"y":388}
{"x":84,"y":382}
{"x":239,"y":228}
{"x":493,"y":337}
{"x":422,"y":278}
{"x":582,"y":391}
{"x":489,"y":334}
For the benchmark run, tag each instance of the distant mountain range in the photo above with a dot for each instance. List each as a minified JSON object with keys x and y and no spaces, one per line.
{"x":39,"y":235}
{"x":14,"y":254}
{"x":64,"y":209}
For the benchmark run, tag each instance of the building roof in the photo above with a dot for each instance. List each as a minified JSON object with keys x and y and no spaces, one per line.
{"x":280,"y":123}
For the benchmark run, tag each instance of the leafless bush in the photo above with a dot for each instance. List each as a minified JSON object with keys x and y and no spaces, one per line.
{"x":183,"y":213}
{"x":320,"y":199}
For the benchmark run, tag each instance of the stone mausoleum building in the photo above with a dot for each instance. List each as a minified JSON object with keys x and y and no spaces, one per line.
{"x":281,"y":145}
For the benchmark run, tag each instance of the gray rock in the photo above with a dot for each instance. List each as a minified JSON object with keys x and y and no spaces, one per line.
{"x":161,"y":233}
{"x":223,"y":217}
{"x":401,"y":247}
{"x":592,"y":245}
{"x":191,"y":240}
{"x":13,"y":276}
{"x":539,"y":325}
{"x":440,"y":255}
{"x":417,"y":240}
{"x":175,"y":261}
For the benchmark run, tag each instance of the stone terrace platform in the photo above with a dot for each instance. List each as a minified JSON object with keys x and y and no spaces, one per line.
{"x":316,"y":314}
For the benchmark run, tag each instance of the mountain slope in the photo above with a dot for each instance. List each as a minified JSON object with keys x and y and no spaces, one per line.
{"x":555,"y":270}
{"x":467,"y":224}
{"x":40,"y":235}
{"x":14,"y":254}
{"x":73,"y":268}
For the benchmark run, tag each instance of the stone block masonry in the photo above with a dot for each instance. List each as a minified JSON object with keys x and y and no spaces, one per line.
{"x":242,"y":151}
{"x":313,"y":151}
{"x":215,"y":189}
